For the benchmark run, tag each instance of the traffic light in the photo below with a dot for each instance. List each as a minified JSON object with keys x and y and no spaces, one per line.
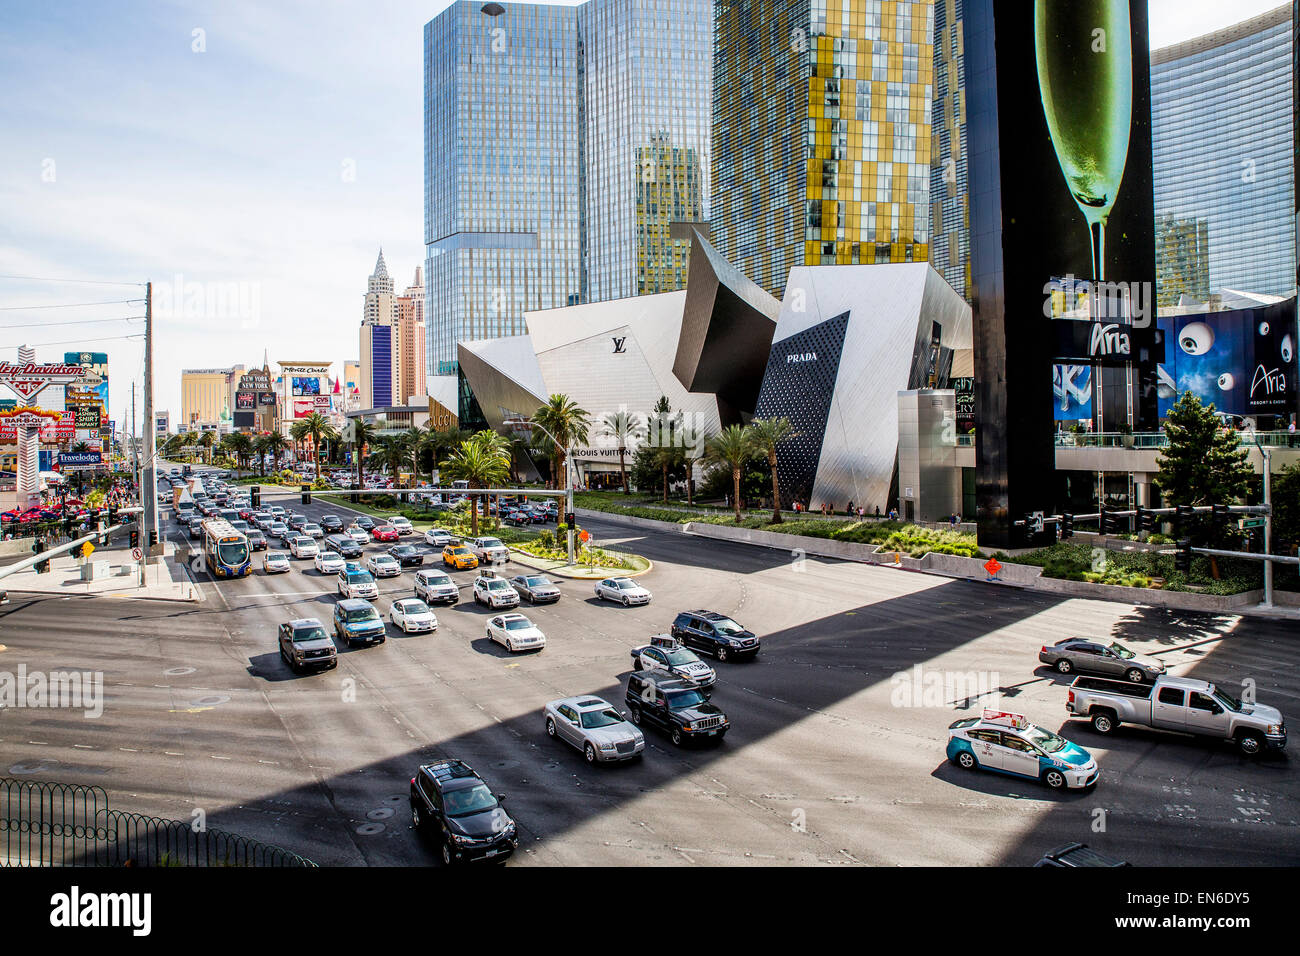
{"x":112,"y":515}
{"x":571,"y":520}
{"x":1183,"y":515}
{"x":255,"y":497}
{"x":355,"y":497}
{"x":1219,"y":513}
{"x":1067,"y":526}
{"x":153,"y":538}
{"x":1183,"y":559}
{"x":1103,"y":521}
{"x":306,"y":494}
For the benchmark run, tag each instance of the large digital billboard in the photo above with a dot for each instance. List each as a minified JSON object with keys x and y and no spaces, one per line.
{"x":1059,"y":157}
{"x":1244,"y":360}
{"x":306,"y":385}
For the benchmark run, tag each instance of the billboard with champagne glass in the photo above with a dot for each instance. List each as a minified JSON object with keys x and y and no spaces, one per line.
{"x":1059,"y":153}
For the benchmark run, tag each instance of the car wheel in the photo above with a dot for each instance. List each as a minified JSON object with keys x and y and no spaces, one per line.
{"x":966,"y":760}
{"x":1135,"y":676}
{"x":1054,"y":779}
{"x":416,"y":820}
{"x":722,"y":653}
{"x":1063,"y":666}
{"x":677,"y":737}
{"x":634,"y":714}
{"x":590,"y":753}
{"x":446,"y":853}
{"x":550,"y":727}
{"x":636,"y":664}
{"x":626,"y":602}
{"x":1250,"y":744}
{"x":1104,"y":722}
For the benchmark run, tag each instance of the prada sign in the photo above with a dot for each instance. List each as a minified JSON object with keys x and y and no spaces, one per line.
{"x":1106,"y":343}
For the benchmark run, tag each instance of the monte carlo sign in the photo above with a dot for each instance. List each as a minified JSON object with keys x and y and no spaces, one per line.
{"x":27,"y":380}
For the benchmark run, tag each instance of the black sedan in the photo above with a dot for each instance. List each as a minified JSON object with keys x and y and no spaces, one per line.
{"x":407,"y":555}
{"x":331,"y":524}
{"x":364,"y":521}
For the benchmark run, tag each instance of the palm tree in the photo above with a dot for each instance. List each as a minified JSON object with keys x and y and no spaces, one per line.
{"x":480,"y":462}
{"x":260,"y":447}
{"x":390,"y":450}
{"x":242,"y":445}
{"x":568,"y":425}
{"x":275,"y":444}
{"x":668,"y":458}
{"x":733,"y":446}
{"x":298,"y":432}
{"x":621,"y":426}
{"x":206,"y":442}
{"x":766,"y":434}
{"x":317,"y":427}
{"x":363,"y":433}
{"x":692,"y":455}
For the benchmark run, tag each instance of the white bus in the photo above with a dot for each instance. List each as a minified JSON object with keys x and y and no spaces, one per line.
{"x":225,"y":550}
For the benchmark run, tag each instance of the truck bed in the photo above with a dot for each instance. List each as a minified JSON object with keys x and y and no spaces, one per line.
{"x":1120,"y":687}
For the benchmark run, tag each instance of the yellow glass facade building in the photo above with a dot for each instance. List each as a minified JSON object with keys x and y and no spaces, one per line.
{"x":821,"y":133}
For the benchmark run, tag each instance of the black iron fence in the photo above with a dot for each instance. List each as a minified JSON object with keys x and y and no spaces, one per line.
{"x":59,"y":824}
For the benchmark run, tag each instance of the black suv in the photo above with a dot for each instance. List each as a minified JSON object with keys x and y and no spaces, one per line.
{"x":344,"y":545}
{"x":714,"y":634}
{"x":451,"y":802}
{"x":677,"y":707}
{"x":331,"y":524}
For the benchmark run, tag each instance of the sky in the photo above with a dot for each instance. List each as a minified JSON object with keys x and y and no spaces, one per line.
{"x":248,"y":158}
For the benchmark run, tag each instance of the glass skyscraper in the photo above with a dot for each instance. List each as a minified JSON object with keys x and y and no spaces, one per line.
{"x":561,"y":146}
{"x":821,"y":133}
{"x":949,"y":197}
{"x":1221,"y":124}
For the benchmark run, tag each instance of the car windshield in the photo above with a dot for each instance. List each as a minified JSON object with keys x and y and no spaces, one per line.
{"x":360,"y":577}
{"x":359,"y":614}
{"x":679,"y":656}
{"x":518,"y":624}
{"x":492,"y":543}
{"x":233,"y":553}
{"x":437,"y":579}
{"x":461,"y":803}
{"x":384,"y":559}
{"x":496,"y":585}
{"x":1122,"y":652}
{"x":414,"y":607}
{"x":303,"y":540}
{"x":310,"y":634}
{"x":684,"y":699}
{"x":601,"y":718}
{"x":1227,"y":700}
{"x":727,"y":627}
{"x":1044,"y":740}
{"x":624,"y":584}
{"x":537,"y":582}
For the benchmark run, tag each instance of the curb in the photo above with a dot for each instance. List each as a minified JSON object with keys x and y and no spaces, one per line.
{"x":521,"y":557}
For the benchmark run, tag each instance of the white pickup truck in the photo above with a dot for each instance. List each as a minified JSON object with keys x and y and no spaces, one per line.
{"x":1180,"y":704}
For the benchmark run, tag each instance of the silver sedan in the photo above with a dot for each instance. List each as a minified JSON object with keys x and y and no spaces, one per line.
{"x":594,"y":727}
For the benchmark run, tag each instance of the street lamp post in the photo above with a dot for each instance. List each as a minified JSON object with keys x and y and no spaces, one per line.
{"x":1266,"y":454}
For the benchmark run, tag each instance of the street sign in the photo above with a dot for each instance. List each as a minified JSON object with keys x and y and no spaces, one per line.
{"x":992,"y":566}
{"x":137,"y":554}
{"x":88,"y":548}
{"x":1253,"y":523}
{"x":584,"y":536}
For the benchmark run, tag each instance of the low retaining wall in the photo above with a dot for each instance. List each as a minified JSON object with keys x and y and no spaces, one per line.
{"x":648,"y":523}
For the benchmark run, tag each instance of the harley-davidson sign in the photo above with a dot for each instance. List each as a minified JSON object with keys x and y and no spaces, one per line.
{"x":29,"y":379}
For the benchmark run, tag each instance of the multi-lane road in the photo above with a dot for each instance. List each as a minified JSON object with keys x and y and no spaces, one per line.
{"x":832,"y":757}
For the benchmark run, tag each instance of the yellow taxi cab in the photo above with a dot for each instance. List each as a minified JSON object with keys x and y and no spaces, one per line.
{"x":458,"y":556}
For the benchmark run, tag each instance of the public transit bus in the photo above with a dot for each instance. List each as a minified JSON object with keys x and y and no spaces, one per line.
{"x":225,"y":550}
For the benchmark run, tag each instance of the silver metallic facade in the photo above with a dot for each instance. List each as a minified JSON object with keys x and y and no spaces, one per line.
{"x":1221,"y":125}
{"x":561,"y":144}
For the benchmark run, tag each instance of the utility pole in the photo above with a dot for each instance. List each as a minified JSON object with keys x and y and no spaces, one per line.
{"x":148,"y":481}
{"x":1268,"y":529}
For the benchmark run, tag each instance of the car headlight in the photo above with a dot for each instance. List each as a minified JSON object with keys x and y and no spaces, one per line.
{"x":1274,"y":729}
{"x":461,"y":838}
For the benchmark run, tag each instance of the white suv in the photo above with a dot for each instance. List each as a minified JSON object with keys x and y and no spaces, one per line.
{"x":436,"y":586}
{"x":488,"y":550}
{"x":401,"y":524}
{"x":494,"y":591}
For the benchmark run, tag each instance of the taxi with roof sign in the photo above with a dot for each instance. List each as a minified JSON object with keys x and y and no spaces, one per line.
{"x":1010,"y":744}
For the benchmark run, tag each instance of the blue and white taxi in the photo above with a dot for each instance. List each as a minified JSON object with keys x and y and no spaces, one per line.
{"x":1010,"y":744}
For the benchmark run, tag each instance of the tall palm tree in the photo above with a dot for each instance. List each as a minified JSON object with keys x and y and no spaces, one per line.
{"x":298,"y":433}
{"x":317,"y":427}
{"x":622,"y":426}
{"x":242,"y":445}
{"x":733,"y":447}
{"x":668,"y":458}
{"x":417,"y":442}
{"x":481,"y":464}
{"x":390,"y":450}
{"x":692,"y":455}
{"x":363,"y":433}
{"x":206,"y":442}
{"x":569,"y":425}
{"x":260,"y":448}
{"x":276,"y":443}
{"x":766,"y":434}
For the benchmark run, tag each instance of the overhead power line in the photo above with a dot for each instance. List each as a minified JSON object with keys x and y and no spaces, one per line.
{"x":47,"y":325}
{"x":79,"y":281}
{"x":66,"y":305}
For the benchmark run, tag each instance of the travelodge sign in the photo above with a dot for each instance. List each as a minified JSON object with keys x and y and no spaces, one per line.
{"x":29,"y":379}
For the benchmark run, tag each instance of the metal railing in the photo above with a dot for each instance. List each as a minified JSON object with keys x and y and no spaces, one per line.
{"x":59,"y":824}
{"x":1160,"y":439}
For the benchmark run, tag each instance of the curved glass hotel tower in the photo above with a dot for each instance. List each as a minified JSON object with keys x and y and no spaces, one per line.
{"x":564,"y":149}
{"x":1221,"y":130}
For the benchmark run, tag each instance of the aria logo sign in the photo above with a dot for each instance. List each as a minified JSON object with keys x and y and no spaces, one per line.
{"x":618,"y":344}
{"x":1272,"y":381}
{"x":1108,"y":340}
{"x":794,"y":357}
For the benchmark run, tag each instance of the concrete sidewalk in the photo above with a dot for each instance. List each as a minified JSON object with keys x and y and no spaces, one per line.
{"x":64,"y":578}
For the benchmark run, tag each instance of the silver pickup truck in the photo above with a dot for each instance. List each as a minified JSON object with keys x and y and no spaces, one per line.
{"x":1179,"y":704}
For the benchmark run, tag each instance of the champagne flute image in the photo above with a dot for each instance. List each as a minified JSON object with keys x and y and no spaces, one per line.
{"x":1085,"y":76}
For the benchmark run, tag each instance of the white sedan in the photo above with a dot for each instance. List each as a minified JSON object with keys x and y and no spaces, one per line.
{"x":413,"y":616}
{"x":304,"y":547}
{"x":275,"y":562}
{"x":438,"y":537}
{"x":383,"y":565}
{"x":403,"y":525}
{"x":623,"y":590}
{"x":515,"y":632}
{"x":329,"y":562}
{"x":358,"y":534}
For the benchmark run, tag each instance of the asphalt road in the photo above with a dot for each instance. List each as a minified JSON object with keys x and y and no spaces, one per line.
{"x":831,"y":757}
